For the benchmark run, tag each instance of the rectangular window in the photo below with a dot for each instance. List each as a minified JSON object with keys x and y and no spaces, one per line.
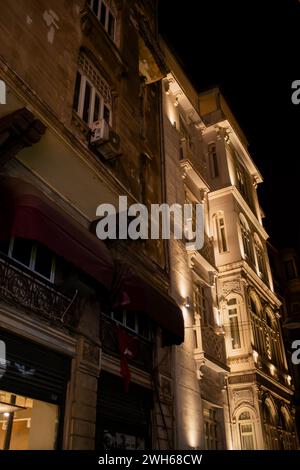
{"x":22,"y":251}
{"x":221,"y":234}
{"x":201,"y":304}
{"x":246,"y":433}
{"x":213,"y":160}
{"x":92,"y":95}
{"x":210,"y":425}
{"x":105,"y":15}
{"x":34,"y":256}
{"x":134,"y":321}
{"x":234,"y":325}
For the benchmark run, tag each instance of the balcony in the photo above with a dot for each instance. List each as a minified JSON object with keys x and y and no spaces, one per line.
{"x":214,"y":347}
{"x":22,"y":289}
{"x":208,"y":250}
{"x":110,"y":345}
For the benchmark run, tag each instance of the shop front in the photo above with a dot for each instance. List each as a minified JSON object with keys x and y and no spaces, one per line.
{"x":33,"y":385}
{"x":123,"y":418}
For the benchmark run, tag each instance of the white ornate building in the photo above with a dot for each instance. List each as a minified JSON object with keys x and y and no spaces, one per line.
{"x":240,"y":399}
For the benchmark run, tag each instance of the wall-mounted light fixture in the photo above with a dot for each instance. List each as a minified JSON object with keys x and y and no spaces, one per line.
{"x":176,"y":102}
{"x":187,"y":302}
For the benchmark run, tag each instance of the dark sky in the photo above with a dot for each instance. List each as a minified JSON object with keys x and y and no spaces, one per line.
{"x":251,"y":49}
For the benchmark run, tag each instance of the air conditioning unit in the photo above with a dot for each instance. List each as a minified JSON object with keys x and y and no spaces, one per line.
{"x":105,"y":140}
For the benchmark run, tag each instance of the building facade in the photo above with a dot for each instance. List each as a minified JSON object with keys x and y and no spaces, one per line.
{"x":85,"y":350}
{"x":128,"y":343}
{"x":285,"y":269}
{"x":259,"y":385}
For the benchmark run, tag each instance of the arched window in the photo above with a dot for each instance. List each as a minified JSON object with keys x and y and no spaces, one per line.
{"x":221,"y":232}
{"x":246,"y":430}
{"x":270,"y":419}
{"x":272,"y":336}
{"x":260,"y":257}
{"x":257,"y":324}
{"x":234,"y":328}
{"x":287,"y":437}
{"x":246,"y":238}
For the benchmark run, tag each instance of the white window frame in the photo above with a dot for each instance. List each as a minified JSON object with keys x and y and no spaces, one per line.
{"x":210,"y":425}
{"x":201,"y":303}
{"x":213,"y":160}
{"x":246,"y":238}
{"x":219,"y":230}
{"x":109,"y":10}
{"x":246,"y":422}
{"x":260,"y":257}
{"x":32,"y":261}
{"x":81,"y":100}
{"x":136,"y":324}
{"x":234,"y":306}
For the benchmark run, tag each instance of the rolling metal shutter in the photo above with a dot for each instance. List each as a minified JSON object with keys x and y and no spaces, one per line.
{"x":123,"y":412}
{"x":33,"y":370}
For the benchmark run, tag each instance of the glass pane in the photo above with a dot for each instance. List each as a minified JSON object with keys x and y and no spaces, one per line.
{"x":103,"y":14}
{"x":4,"y":246}
{"x":130,"y":320}
{"x":22,"y":250}
{"x":96,"y":108}
{"x":247,"y":442}
{"x":95,"y":6}
{"x":111,"y":25}
{"x":106,"y":114}
{"x":23,"y":422}
{"x":223,"y":237}
{"x":215,"y":163}
{"x":43,"y":261}
{"x":143,"y":326}
{"x":118,"y":316}
{"x":234,"y":331}
{"x":86,"y":105}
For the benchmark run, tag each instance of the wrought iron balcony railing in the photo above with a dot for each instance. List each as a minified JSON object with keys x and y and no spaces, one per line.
{"x":213,"y":345}
{"x":208,"y":250}
{"x":22,"y":289}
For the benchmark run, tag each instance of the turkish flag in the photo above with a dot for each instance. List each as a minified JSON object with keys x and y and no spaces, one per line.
{"x":128,"y":347}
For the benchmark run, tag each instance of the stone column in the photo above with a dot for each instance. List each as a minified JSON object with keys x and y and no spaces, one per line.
{"x":81,"y":403}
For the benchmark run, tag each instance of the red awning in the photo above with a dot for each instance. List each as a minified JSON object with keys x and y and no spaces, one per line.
{"x":26,"y":212}
{"x":137,"y":295}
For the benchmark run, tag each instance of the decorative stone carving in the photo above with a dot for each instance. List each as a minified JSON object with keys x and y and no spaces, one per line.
{"x":231,"y":286}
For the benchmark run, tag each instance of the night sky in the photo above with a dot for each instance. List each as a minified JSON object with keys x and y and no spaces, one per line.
{"x":251,"y":50}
